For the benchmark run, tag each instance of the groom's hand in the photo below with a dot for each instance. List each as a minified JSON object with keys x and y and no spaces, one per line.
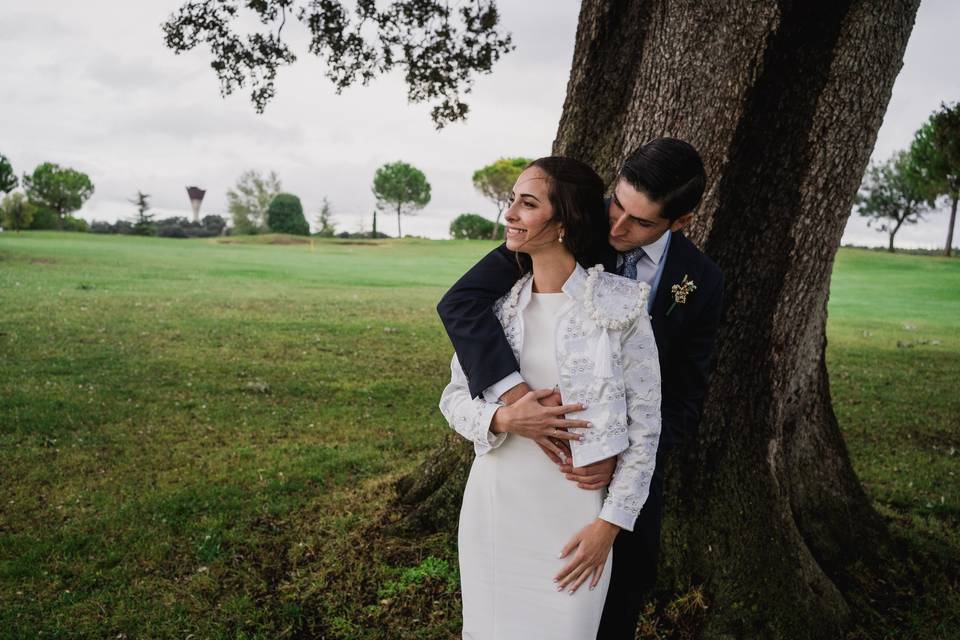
{"x":593,"y":476}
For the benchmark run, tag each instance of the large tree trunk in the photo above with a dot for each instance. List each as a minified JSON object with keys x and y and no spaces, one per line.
{"x":783,"y":100}
{"x":953,"y":220}
{"x":893,"y":232}
{"x":496,"y":224}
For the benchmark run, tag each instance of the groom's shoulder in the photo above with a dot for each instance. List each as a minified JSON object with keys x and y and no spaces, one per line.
{"x":709,"y":272}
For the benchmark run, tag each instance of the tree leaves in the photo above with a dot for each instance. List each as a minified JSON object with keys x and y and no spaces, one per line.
{"x":249,"y":199}
{"x":936,"y":153}
{"x":891,"y":195}
{"x":16,"y":212}
{"x":8,"y":179}
{"x":495,"y":181}
{"x":439,"y":49}
{"x":58,"y":188}
{"x":401,"y":186}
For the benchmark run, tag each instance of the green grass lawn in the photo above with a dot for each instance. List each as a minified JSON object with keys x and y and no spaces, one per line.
{"x":189,"y":430}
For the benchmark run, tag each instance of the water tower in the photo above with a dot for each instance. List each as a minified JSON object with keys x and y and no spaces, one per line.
{"x":196,"y":197}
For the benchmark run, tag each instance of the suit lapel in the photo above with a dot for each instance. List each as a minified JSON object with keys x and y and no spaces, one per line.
{"x":677,"y":265}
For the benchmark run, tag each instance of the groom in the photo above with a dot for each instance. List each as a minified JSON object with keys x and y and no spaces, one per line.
{"x":656,"y":191}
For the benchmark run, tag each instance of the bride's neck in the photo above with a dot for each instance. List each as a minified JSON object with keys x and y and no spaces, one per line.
{"x":551,"y":270}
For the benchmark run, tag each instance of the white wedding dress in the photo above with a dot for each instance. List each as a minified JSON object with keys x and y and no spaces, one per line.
{"x":518,"y":512}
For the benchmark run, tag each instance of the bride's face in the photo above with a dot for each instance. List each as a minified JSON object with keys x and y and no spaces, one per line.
{"x":530,"y":227}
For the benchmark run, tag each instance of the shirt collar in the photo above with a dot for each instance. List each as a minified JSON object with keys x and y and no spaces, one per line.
{"x":655,"y":249}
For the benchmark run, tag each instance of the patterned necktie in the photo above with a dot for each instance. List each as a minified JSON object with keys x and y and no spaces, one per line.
{"x":630,"y":259}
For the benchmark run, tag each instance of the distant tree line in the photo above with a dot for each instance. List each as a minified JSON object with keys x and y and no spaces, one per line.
{"x":893,"y":194}
{"x":495,"y":182}
{"x":50,"y":194}
{"x":173,"y":227}
{"x":258,"y":204}
{"x":144,"y":223}
{"x":471,"y":226}
{"x":910,"y":183}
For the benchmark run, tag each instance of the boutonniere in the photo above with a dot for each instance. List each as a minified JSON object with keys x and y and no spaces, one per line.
{"x":681,"y":291}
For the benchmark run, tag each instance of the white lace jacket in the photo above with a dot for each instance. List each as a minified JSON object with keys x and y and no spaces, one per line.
{"x":607,"y":359}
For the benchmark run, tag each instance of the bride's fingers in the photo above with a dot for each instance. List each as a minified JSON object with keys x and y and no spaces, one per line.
{"x":593,"y":486}
{"x":585,"y":479}
{"x":566,"y":408}
{"x":547,"y":445}
{"x":597,"y":574}
{"x":560,"y":434}
{"x":578,"y":570}
{"x":583,"y":576}
{"x":570,"y":546}
{"x":570,"y":424}
{"x":550,"y":454}
{"x":569,"y":571}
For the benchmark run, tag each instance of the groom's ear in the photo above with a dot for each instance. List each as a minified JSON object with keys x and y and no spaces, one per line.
{"x":681,"y":222}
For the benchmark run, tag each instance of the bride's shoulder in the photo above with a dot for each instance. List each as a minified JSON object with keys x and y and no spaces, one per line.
{"x":506,"y":305}
{"x":614,"y":301}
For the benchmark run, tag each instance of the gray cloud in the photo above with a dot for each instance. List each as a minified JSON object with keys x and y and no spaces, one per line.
{"x":188,"y":124}
{"x":132,"y":73}
{"x":91,"y":85}
{"x":18,"y":27}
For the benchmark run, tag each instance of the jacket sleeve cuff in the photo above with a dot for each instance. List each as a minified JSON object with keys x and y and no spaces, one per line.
{"x":619,"y":517}
{"x":497,"y":389}
{"x":487,"y":440}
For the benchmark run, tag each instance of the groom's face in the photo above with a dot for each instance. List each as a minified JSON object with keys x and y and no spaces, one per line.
{"x":634,"y":218}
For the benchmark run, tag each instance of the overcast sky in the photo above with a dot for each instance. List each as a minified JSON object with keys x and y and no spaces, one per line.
{"x":91,"y":86}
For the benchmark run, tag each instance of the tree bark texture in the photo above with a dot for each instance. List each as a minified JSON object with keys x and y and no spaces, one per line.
{"x":783,"y":100}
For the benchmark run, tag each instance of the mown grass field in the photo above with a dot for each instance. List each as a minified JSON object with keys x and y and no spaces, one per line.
{"x":190,"y":430}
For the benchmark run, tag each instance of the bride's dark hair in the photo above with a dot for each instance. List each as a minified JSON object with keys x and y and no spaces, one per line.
{"x":576,"y":193}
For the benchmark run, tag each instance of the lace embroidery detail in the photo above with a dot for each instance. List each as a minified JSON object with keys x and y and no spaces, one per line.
{"x":625,"y":407}
{"x":611,"y":301}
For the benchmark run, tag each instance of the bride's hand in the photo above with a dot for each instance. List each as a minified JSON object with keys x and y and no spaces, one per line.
{"x":528,"y":418}
{"x":592,"y":544}
{"x":554,"y":400}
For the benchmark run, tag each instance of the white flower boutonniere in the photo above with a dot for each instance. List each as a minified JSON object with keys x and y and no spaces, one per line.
{"x":681,"y":291}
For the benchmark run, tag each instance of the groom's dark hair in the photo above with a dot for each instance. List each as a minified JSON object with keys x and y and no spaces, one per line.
{"x":670,"y":172}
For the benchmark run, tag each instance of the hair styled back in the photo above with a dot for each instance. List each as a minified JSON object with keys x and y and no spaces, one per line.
{"x":576,"y":193}
{"x":670,"y":172}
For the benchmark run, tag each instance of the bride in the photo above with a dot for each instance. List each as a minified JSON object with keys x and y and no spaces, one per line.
{"x":528,"y":538}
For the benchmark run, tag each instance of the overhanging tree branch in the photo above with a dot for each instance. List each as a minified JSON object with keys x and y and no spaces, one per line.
{"x":439,"y":49}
